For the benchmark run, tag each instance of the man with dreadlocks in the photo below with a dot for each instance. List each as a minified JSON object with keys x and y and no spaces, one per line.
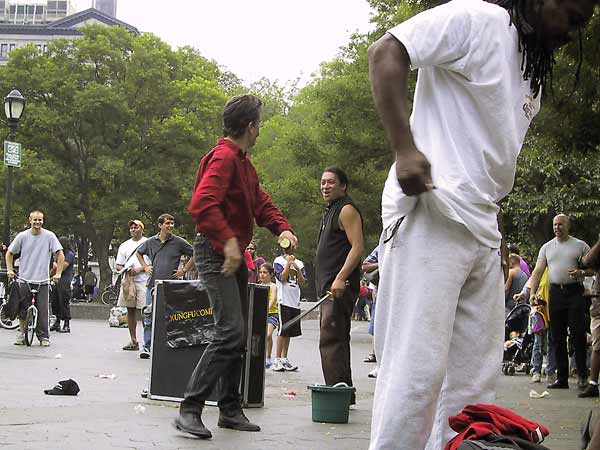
{"x":482,"y":66}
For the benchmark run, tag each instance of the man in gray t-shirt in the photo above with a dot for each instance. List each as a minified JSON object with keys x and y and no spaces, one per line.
{"x":36,"y":247}
{"x":567,"y":306}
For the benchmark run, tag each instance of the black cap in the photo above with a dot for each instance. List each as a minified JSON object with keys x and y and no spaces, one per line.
{"x":65,"y":387}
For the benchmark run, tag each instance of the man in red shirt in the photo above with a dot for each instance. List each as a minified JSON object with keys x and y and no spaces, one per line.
{"x":226,"y":202}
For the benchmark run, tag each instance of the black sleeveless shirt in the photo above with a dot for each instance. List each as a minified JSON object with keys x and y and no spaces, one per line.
{"x":333,"y":248}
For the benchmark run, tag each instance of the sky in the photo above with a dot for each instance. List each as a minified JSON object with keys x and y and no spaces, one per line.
{"x":278,"y":39}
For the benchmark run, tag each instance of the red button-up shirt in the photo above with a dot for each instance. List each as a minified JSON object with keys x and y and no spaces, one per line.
{"x":227,"y":198}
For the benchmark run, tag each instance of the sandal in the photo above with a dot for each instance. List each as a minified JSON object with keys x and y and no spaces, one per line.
{"x":370,"y":358}
{"x":132,"y":346}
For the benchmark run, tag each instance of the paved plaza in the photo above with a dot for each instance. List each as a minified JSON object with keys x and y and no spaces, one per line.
{"x":109,"y":413}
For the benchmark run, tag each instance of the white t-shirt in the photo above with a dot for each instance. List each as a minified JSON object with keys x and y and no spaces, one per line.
{"x":124,"y":259}
{"x":562,"y":257}
{"x":36,"y":253}
{"x":470,"y":115}
{"x":288,"y":293}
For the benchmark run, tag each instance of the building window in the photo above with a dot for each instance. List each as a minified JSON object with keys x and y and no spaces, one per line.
{"x":45,"y":48}
{"x":3,"y":50}
{"x":11,"y":47}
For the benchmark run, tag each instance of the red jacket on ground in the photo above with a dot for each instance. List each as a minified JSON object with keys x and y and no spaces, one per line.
{"x":478,"y":421}
{"x":227,"y":198}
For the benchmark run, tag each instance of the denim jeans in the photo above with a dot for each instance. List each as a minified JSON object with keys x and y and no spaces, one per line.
{"x":221,"y":362}
{"x":147,"y":320}
{"x":543,"y":341}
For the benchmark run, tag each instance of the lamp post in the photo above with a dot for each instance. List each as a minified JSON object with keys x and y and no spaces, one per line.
{"x":14,"y":103}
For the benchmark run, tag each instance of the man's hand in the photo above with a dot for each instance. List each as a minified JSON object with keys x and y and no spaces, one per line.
{"x":10,"y":274}
{"x":519,"y":297}
{"x":233,"y":256}
{"x":338,"y":287}
{"x":413,"y":171}
{"x":56,"y":278}
{"x":287,"y":234}
{"x":577,"y":274}
{"x":148,"y":270}
{"x":178,"y":274}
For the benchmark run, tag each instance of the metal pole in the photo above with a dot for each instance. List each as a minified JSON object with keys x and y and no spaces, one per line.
{"x":6,"y":233}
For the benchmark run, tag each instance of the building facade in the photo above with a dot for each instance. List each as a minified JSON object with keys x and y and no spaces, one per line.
{"x":18,"y":35}
{"x":34,"y":12}
{"x":108,"y":7}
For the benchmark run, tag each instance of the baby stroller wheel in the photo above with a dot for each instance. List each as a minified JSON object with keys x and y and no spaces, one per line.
{"x":511,"y":371}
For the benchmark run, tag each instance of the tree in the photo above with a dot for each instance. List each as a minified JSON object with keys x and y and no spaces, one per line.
{"x":116,"y":122}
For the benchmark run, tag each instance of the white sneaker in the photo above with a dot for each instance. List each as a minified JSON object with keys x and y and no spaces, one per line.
{"x":373,"y":373}
{"x":550,"y":378}
{"x":278,"y":366}
{"x":20,"y":339}
{"x":536,"y":378}
{"x":288,"y":366}
{"x":45,"y":342}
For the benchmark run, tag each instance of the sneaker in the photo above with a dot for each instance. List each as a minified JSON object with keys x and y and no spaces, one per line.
{"x":590,"y":391}
{"x":582,"y":383}
{"x":559,"y":385}
{"x":370,"y":358}
{"x":550,"y":378}
{"x":268,"y":363}
{"x":373,"y":373}
{"x":20,"y":339}
{"x":288,"y":366}
{"x":536,"y":378}
{"x":277,"y":366}
{"x":45,"y":342}
{"x":145,"y":353}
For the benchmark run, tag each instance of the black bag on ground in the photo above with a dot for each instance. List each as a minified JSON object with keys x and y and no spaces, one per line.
{"x":496,"y":442}
{"x":17,"y":293}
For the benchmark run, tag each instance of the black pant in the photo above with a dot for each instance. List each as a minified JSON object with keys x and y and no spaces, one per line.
{"x":334,"y":340}
{"x":63,"y":291}
{"x":221,"y":363}
{"x":568,"y":310}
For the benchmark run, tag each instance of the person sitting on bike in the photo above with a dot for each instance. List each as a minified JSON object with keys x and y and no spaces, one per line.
{"x":36,"y":247}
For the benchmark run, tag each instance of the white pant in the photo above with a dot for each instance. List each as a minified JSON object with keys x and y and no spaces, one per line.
{"x":439,"y":329}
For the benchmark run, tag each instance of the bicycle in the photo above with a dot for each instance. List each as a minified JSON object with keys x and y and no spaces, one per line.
{"x":31,"y":316}
{"x":110,"y":294}
{"x":5,"y":321}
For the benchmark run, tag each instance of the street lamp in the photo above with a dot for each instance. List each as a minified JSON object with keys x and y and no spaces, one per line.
{"x":14,"y":104}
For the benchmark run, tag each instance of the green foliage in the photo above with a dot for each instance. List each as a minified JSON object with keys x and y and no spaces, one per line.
{"x":115,"y":124}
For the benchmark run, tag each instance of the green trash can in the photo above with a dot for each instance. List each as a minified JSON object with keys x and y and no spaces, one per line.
{"x":331,"y":404}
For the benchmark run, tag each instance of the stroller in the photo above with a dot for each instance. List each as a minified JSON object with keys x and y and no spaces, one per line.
{"x":518,"y":341}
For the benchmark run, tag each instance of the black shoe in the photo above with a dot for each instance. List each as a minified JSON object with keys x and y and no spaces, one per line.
{"x":590,"y":391}
{"x":56,"y":326}
{"x":66,"y":328}
{"x":559,"y":385}
{"x":190,"y":421}
{"x":236,"y":421}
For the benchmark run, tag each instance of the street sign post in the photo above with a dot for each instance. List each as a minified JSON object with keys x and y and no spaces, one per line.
{"x":12,"y":154}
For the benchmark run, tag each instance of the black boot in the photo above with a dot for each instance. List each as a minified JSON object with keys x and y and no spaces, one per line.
{"x":56,"y":326}
{"x":190,"y":421}
{"x":66,"y":328}
{"x":236,"y":420}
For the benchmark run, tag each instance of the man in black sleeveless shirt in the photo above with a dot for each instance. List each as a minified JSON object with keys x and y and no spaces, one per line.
{"x":337,"y":269}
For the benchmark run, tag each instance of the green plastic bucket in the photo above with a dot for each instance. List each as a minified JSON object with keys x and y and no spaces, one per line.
{"x":331,"y":404}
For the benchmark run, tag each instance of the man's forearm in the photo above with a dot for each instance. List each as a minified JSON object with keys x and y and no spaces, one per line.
{"x":351,"y":262}
{"x":389,"y":67}
{"x":9,"y":262}
{"x":591,"y":259}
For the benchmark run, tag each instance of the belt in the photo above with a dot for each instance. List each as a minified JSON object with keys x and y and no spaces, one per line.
{"x":566,"y":286}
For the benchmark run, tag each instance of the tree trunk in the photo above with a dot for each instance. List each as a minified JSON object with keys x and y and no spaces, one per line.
{"x":101,"y":243}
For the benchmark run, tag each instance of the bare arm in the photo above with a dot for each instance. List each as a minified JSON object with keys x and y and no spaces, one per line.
{"x":60,"y":265}
{"x":592,"y":258}
{"x":509,"y":281}
{"x":351,"y":223}
{"x":189,"y":265}
{"x":389,"y":66}
{"x":10,"y":270}
{"x":147,"y":267}
{"x":536,"y":275}
{"x":369,"y":266}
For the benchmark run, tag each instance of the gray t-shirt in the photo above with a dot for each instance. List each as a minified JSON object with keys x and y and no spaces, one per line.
{"x":562,"y":257}
{"x":36,"y":253}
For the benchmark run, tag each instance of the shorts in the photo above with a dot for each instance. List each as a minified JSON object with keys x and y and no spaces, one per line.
{"x":273,"y":320}
{"x":287,"y":313}
{"x":140,"y":296}
{"x":595,"y":326}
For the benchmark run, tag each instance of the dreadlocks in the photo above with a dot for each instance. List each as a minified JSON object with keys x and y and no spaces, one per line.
{"x":537,"y":62}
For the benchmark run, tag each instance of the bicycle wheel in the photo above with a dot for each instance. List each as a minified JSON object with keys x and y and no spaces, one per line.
{"x":5,"y":322}
{"x":109,"y":297}
{"x":30,"y":322}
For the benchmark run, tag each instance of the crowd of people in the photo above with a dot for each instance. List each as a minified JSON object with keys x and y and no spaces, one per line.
{"x":482,"y":66}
